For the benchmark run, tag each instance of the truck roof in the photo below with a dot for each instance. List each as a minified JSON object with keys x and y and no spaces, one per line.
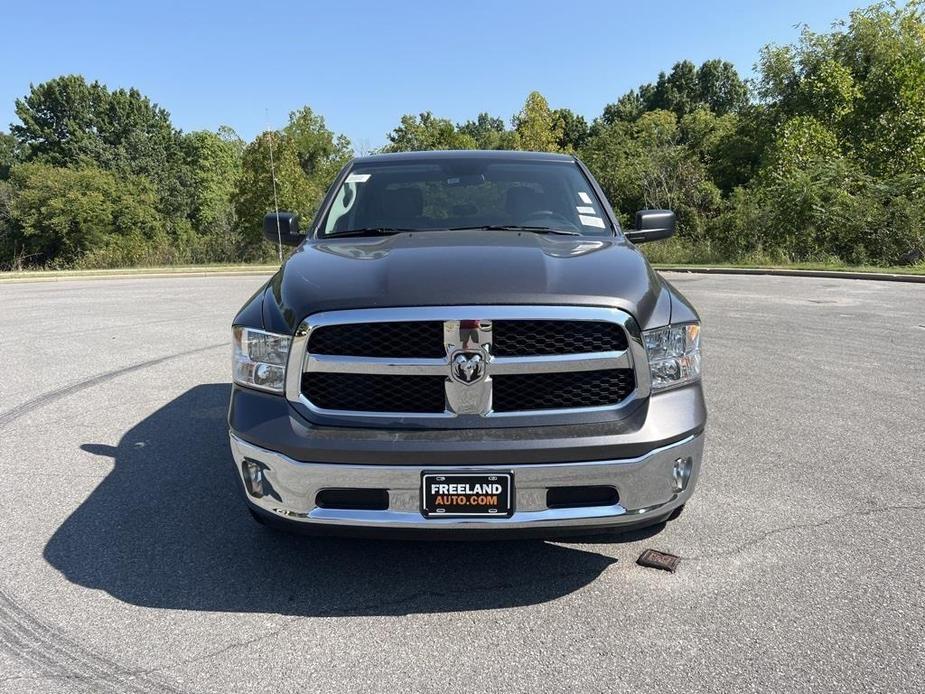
{"x":498,"y":154}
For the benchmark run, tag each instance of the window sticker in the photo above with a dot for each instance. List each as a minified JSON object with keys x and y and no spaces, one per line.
{"x":585,"y":210}
{"x":585,"y":198}
{"x":357,"y":178}
{"x":591,"y":221}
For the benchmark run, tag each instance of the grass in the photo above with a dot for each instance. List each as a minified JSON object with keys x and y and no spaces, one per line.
{"x":657,"y":262}
{"x":129,"y":271}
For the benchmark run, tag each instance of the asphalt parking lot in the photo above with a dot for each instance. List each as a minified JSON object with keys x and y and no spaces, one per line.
{"x":130,"y":564}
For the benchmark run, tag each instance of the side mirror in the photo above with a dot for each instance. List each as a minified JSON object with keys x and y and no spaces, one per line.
{"x":284,"y":227}
{"x":652,"y":225}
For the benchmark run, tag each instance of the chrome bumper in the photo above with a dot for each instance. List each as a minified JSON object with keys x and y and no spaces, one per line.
{"x":647,"y":487}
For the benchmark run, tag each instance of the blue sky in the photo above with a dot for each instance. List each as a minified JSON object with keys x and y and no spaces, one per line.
{"x":363,"y":64}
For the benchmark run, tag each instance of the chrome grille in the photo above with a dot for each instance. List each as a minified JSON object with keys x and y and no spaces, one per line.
{"x":467,"y":366}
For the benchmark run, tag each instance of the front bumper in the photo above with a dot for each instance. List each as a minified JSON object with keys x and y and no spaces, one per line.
{"x":647,"y":485}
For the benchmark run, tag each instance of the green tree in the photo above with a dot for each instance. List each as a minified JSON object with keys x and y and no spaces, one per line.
{"x":627,"y":108}
{"x":802,"y":143}
{"x":720,"y":88}
{"x":646,"y":164}
{"x":63,"y":214}
{"x":703,"y":131}
{"x":810,"y":201}
{"x":488,"y":132}
{"x":883,"y":48}
{"x":7,"y":154}
{"x":731,"y":146}
{"x":427,"y":132}
{"x":537,"y":127}
{"x":65,"y":121}
{"x":70,"y":122}
{"x":678,"y":91}
{"x":483,"y":126}
{"x":10,"y":256}
{"x":306,"y":157}
{"x":865,"y":81}
{"x":573,"y":128}
{"x":215,"y":165}
{"x":715,"y":85}
{"x":231,"y":137}
{"x":777,"y":72}
{"x":254,"y":197}
{"x":321,"y":153}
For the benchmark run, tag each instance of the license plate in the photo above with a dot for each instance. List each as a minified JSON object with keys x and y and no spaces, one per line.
{"x":463,"y":494}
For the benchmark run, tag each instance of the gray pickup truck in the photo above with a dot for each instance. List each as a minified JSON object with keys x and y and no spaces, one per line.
{"x":466,"y":343}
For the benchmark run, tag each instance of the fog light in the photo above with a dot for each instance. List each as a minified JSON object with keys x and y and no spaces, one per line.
{"x":253,"y":478}
{"x":681,"y":473}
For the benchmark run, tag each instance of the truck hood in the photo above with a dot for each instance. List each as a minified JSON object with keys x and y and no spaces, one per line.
{"x":457,"y":268}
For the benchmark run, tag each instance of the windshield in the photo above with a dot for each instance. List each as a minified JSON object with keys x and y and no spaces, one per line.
{"x":466,"y":193}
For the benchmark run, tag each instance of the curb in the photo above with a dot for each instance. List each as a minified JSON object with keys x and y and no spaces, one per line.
{"x":141,"y":275}
{"x":783,"y":272}
{"x":690,"y":269}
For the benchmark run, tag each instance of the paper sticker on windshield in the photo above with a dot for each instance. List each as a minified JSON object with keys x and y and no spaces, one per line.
{"x":585,"y":210}
{"x":585,"y":198}
{"x":358,"y":178}
{"x":591,"y":221}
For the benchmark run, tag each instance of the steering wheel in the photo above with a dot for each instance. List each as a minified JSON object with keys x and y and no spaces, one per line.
{"x":548,"y":216}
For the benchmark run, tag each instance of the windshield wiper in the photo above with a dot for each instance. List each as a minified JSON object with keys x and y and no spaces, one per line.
{"x":369,"y":231}
{"x":517,"y":227}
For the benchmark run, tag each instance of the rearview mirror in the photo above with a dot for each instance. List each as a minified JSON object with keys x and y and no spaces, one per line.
{"x":283,"y":227}
{"x":652,"y":225}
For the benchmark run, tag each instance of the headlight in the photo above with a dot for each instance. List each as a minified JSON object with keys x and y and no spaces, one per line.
{"x":259,"y":359}
{"x":674,"y":355}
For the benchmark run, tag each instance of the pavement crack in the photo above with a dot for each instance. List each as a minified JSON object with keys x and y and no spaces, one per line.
{"x":748,"y":544}
{"x":224,"y":649}
{"x":359,"y":609}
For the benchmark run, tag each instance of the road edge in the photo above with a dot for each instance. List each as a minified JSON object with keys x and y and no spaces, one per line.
{"x":794,"y":272}
{"x":155,"y":274}
{"x":259,"y":271}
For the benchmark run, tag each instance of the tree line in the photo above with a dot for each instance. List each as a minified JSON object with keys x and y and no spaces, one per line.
{"x":820,"y":157}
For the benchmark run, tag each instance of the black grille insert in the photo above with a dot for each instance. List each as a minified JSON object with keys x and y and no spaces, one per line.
{"x":405,"y":339}
{"x":552,"y":391}
{"x":521,"y":338}
{"x":362,"y":499}
{"x":577,"y":497}
{"x":374,"y":392}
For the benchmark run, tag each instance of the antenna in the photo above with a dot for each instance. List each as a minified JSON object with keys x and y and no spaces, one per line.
{"x":279,"y":233}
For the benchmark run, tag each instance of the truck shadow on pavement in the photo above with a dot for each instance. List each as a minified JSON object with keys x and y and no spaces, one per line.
{"x":168,"y":528}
